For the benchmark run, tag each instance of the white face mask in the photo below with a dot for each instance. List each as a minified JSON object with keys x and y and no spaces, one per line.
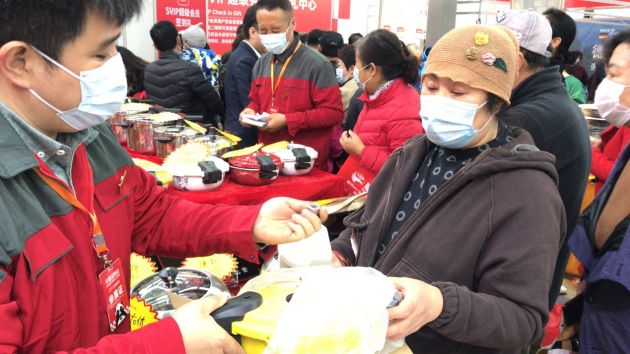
{"x":607,"y":101}
{"x":342,"y":79}
{"x":448,"y":122}
{"x":276,"y":43}
{"x":356,"y":77}
{"x":103,"y":92}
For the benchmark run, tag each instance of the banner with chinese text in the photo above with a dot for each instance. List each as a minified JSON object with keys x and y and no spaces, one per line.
{"x":224,"y":17}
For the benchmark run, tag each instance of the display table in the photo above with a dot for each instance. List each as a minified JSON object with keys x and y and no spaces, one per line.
{"x":149,"y":156}
{"x":316,"y":185}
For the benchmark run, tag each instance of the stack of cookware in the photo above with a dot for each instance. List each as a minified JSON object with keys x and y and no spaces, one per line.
{"x":140,"y":127}
{"x":133,"y":106}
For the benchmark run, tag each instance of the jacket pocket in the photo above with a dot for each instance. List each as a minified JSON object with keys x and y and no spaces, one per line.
{"x":115,"y":188}
{"x":44,"y":248}
{"x":295,"y":96}
{"x":406,"y":269}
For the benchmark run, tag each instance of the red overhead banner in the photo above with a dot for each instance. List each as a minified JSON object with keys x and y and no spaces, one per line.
{"x":224,"y":17}
{"x":570,"y":4}
{"x":182,"y":13}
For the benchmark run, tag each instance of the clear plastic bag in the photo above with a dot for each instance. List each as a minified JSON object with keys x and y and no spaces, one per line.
{"x":334,"y":310}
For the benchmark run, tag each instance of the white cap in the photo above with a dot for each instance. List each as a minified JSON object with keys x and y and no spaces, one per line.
{"x":194,"y":36}
{"x":532,"y":30}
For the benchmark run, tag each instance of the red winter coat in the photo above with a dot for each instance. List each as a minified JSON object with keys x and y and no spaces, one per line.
{"x":50,"y":296}
{"x":613,"y":142}
{"x":387,"y":122}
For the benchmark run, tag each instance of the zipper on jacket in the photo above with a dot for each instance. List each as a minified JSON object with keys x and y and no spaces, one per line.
{"x":424,"y":206}
{"x":381,"y":233}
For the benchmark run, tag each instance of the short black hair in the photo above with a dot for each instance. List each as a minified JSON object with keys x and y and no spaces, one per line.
{"x":612,"y":44}
{"x":249,"y":21}
{"x":354,"y":38}
{"x":348,"y":55}
{"x":313,"y":36}
{"x":535,"y":61}
{"x":303,"y":37}
{"x":49,"y":25}
{"x":270,"y":5}
{"x":563,"y":26}
{"x":164,"y":35}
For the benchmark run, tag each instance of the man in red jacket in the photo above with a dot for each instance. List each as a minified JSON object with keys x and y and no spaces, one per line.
{"x":73,"y":206}
{"x":295,"y":85}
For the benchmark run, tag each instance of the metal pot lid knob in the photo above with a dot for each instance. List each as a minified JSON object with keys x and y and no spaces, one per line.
{"x":169,"y":277}
{"x":302,"y":158}
{"x":211,"y":174}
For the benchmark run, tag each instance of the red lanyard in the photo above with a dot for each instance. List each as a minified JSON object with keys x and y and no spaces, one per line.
{"x":97,"y":235}
{"x":274,"y":88}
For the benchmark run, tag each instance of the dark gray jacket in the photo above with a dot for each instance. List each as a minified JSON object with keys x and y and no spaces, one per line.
{"x":488,"y":239}
{"x":175,"y":83}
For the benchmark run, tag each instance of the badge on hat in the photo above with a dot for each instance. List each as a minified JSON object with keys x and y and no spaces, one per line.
{"x":481,"y":38}
{"x":472,"y":53}
{"x":501,"y":16}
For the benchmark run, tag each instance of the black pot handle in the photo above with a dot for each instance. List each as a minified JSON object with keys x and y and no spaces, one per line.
{"x":124,"y":125}
{"x":302,"y":158}
{"x":137,"y":100}
{"x":211,"y":173}
{"x":158,"y":109}
{"x":163,"y":139}
{"x":235,"y":310}
{"x":194,"y":118}
{"x":266,"y":163}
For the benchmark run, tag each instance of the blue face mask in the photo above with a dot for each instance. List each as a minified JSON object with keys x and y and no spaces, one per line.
{"x":342,"y":79}
{"x":448,"y":122}
{"x":356,"y":77}
{"x":103,"y":92}
{"x":276,"y":43}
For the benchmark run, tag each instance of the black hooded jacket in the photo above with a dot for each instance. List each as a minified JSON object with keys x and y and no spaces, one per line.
{"x":175,"y":83}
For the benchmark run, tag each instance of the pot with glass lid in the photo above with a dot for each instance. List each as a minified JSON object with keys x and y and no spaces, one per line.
{"x":170,"y":138}
{"x":190,"y":283}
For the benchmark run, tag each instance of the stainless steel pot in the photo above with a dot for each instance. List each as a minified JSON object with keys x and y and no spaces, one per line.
{"x":170,"y":138}
{"x":193,"y":284}
{"x":218,"y":143}
{"x":132,"y":107}
{"x":140,"y":127}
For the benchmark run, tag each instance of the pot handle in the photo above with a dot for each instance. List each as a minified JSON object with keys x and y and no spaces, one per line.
{"x":193,"y":118}
{"x":124,"y":125}
{"x":211,"y":174}
{"x":235,"y":310}
{"x":266,"y":163}
{"x":163,"y":139}
{"x":302,"y":158}
{"x":158,"y":109}
{"x":137,"y":100}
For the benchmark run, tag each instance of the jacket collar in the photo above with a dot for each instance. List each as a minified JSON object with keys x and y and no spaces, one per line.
{"x":15,"y":156}
{"x":287,"y":53}
{"x":539,"y":83}
{"x":385,"y":96}
{"x":249,"y":48}
{"x":169,"y":54}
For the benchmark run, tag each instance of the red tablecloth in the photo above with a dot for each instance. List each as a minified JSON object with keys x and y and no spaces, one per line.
{"x":149,"y":156}
{"x":316,"y":185}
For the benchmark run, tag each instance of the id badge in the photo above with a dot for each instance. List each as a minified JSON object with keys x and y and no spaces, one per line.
{"x":274,"y":110}
{"x":113,"y":284}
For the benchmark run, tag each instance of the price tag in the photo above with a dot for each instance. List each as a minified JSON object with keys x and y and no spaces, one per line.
{"x":222,"y":265}
{"x":141,"y":313}
{"x":141,"y":267}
